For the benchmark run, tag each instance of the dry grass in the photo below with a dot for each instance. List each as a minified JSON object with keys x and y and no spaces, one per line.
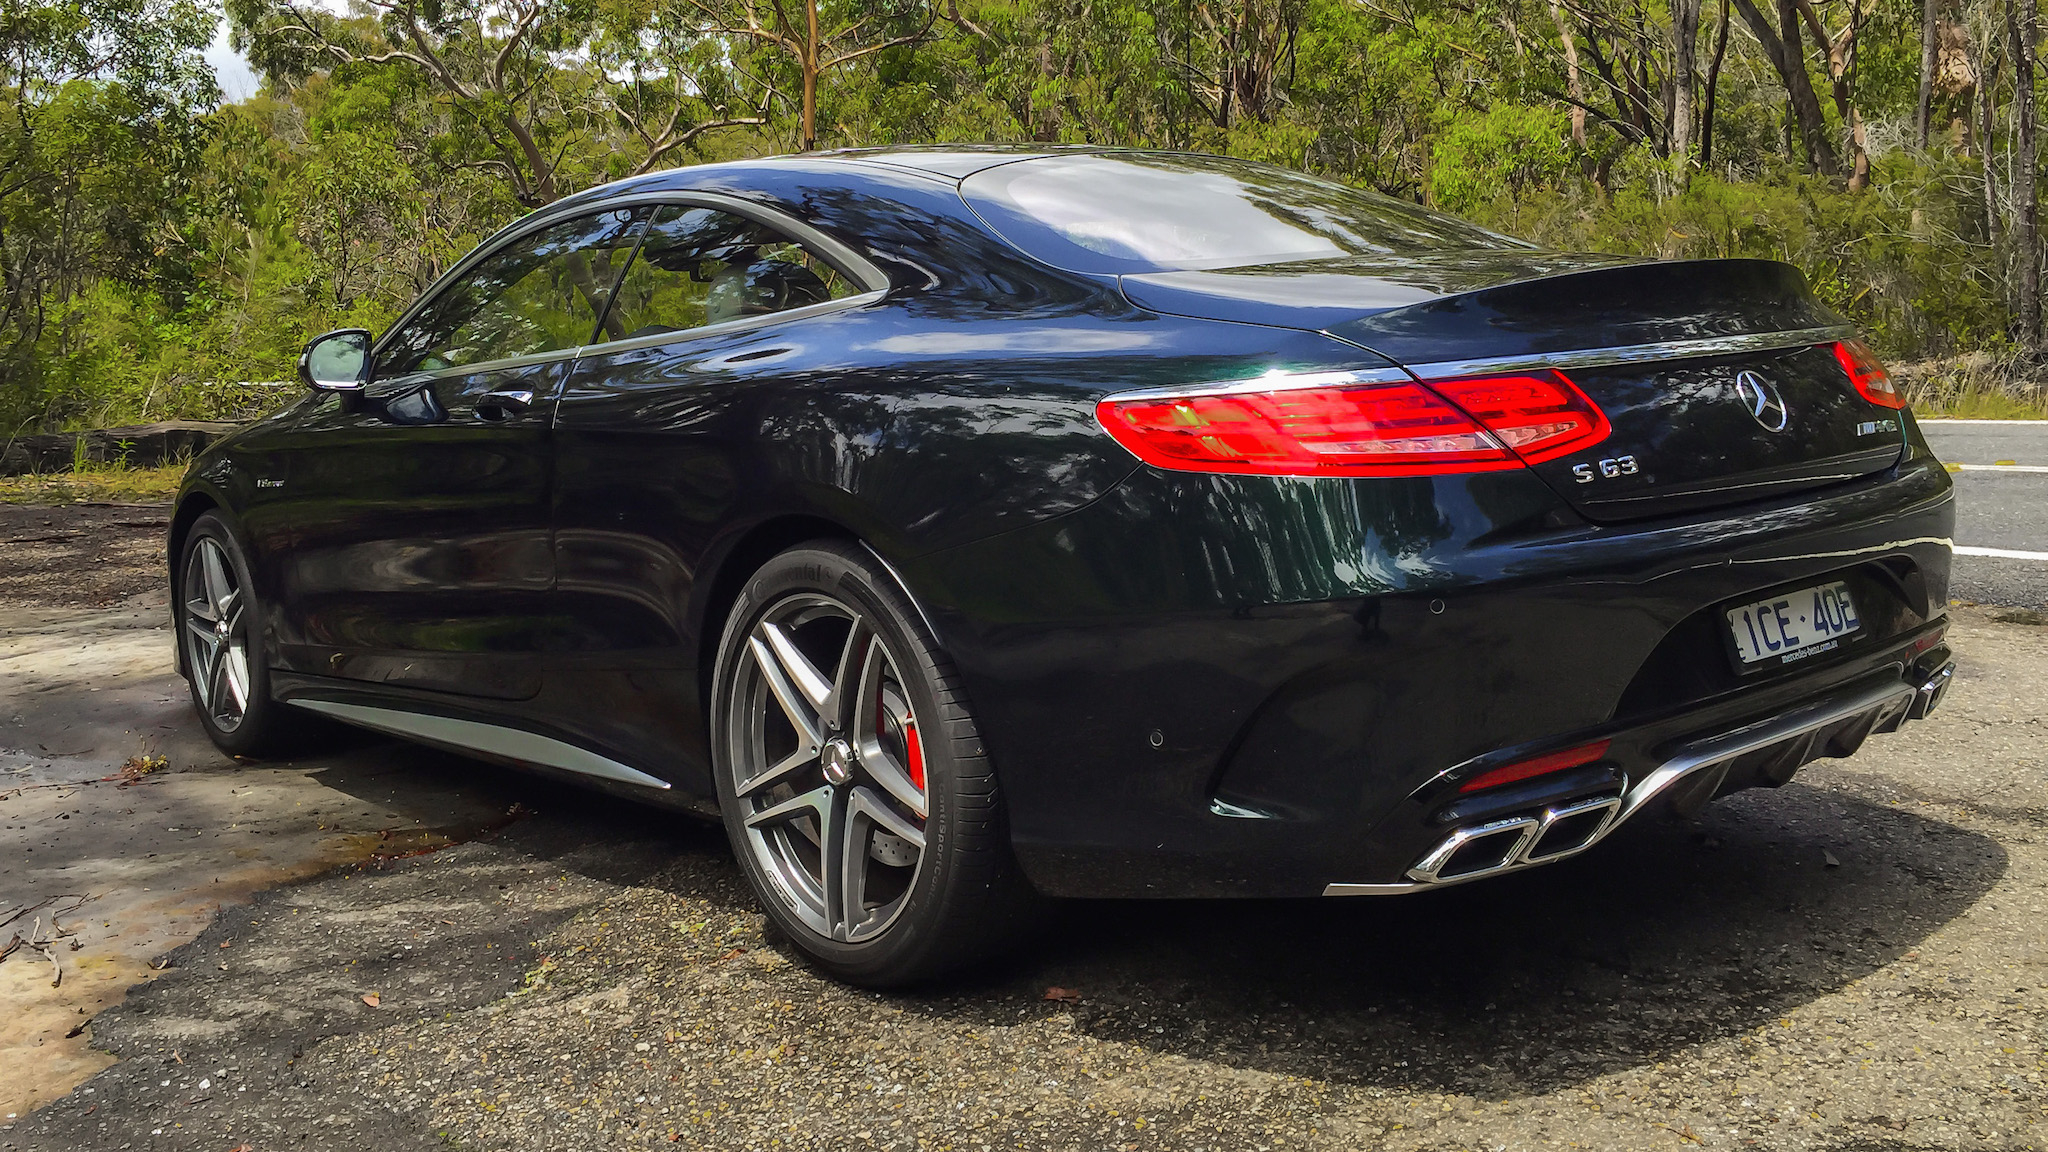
{"x":106,"y":484}
{"x":1977,"y":386}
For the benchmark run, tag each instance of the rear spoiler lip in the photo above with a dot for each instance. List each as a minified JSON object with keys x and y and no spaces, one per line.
{"x":1627,"y":353}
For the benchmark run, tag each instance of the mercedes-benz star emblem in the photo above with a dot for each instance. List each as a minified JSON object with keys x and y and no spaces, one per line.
{"x":1765,"y":404}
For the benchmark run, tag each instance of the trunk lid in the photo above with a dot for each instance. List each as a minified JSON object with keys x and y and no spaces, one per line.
{"x":1717,"y":376}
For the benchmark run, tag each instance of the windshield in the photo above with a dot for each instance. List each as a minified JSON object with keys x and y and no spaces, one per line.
{"x":1130,"y":212}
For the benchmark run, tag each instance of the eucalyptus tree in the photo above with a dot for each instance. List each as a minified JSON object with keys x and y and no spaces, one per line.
{"x":546,"y":95}
{"x":814,"y":38}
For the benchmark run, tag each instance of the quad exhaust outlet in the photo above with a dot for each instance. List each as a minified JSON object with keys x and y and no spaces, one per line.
{"x":1774,"y":747}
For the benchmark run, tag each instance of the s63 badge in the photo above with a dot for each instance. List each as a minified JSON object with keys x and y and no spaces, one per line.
{"x":1606,"y":469}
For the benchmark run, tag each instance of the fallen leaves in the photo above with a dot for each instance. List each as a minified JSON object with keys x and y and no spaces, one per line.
{"x":136,"y":767}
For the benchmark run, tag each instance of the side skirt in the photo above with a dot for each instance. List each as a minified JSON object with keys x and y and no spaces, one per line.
{"x":489,"y":739}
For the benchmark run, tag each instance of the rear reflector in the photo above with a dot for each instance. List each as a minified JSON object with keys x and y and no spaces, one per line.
{"x":1867,"y":374}
{"x":1481,"y":424}
{"x":1536,"y":766}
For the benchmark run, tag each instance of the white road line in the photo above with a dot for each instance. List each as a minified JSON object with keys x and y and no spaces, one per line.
{"x":1997,"y":468}
{"x":2001,"y":553}
{"x":1972,"y":420}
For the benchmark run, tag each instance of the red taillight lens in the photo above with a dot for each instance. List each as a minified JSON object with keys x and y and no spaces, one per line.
{"x":1401,"y":429}
{"x":1867,"y":374}
{"x":1376,"y":430}
{"x":1536,"y":766}
{"x":1541,"y":415}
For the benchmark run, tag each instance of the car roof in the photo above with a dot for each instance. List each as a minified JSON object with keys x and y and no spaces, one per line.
{"x":954,"y":161}
{"x":946,"y":163}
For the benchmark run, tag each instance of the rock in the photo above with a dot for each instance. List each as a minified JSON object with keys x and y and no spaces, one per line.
{"x":142,"y":445}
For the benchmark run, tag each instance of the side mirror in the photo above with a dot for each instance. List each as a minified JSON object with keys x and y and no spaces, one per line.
{"x":337,"y":362}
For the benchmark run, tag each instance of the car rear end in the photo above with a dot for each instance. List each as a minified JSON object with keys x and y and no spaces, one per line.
{"x":1520,"y":562}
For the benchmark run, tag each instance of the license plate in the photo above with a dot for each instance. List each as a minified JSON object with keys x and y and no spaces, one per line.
{"x":1795,"y":625}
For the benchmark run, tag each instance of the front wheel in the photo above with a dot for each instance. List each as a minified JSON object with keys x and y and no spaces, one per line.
{"x":859,"y":800}
{"x":220,"y":628}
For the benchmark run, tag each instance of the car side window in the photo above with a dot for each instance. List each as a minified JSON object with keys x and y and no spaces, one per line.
{"x":700,"y":266}
{"x":540,"y":293}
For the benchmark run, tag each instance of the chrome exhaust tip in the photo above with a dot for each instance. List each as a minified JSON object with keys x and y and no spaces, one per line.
{"x":1563,"y":830}
{"x":1928,"y":697}
{"x":1501,"y":845}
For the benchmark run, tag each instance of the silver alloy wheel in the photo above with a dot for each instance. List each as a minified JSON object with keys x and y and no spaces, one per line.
{"x":216,"y":635}
{"x":827,"y":766}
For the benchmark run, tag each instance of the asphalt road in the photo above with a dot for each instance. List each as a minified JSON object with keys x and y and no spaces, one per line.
{"x":2001,"y":507}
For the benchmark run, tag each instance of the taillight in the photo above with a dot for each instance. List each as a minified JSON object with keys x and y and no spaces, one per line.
{"x":1867,"y":374}
{"x":1338,"y":424}
{"x":1541,"y":415}
{"x":1536,"y":766}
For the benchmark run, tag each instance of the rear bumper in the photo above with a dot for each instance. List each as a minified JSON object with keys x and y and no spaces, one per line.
{"x":1217,"y":686}
{"x":1766,"y":750}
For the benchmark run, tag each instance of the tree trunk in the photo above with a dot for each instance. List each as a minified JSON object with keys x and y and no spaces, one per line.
{"x":809,"y":64}
{"x":1713,"y":88}
{"x":1841,"y":54}
{"x":2019,"y":27}
{"x":1788,"y":56}
{"x":1685,"y":35}
{"x":1930,"y":20}
{"x":1573,"y":86}
{"x":1987,"y":94}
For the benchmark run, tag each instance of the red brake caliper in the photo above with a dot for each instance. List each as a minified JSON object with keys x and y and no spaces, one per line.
{"x":913,"y":749}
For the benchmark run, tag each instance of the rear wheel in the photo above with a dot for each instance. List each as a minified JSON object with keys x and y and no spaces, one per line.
{"x":221,"y":631}
{"x":854,"y":785}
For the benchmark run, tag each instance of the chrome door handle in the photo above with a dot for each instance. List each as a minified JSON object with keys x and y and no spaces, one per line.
{"x":504,"y":404}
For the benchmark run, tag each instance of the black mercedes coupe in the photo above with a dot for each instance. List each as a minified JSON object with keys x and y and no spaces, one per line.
{"x":969,"y":526}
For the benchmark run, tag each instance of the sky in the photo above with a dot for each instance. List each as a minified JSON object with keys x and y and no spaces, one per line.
{"x":232,"y":72}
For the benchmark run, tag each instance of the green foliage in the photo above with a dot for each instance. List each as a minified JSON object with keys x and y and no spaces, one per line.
{"x":165,"y":257}
{"x":1508,"y":150}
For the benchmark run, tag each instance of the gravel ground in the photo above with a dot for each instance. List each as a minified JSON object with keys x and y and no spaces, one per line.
{"x":1852,"y":963}
{"x":80,"y":555}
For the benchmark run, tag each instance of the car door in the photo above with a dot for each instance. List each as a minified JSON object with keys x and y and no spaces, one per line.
{"x":721,"y":322}
{"x":421,"y":553}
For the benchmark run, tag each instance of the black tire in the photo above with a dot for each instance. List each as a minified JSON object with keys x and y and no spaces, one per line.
{"x":964,"y":897}
{"x":237,"y":712}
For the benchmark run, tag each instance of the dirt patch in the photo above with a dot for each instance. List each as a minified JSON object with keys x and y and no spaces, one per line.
{"x":111,"y":795}
{"x":81,"y":555}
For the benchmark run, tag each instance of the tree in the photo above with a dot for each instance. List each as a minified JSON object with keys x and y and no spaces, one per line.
{"x":816,"y":44}
{"x":1787,"y":54}
{"x":2021,"y":28}
{"x":1685,"y":35}
{"x":99,"y":110}
{"x":527,"y":84}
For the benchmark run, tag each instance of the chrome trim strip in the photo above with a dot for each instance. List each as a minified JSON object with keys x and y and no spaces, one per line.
{"x":474,"y":736}
{"x":1635,"y":353}
{"x":1275,"y":381}
{"x":1690,"y":759}
{"x":1762,"y":734}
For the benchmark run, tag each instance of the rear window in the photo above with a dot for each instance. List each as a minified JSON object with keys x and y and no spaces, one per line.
{"x":1156,"y":212}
